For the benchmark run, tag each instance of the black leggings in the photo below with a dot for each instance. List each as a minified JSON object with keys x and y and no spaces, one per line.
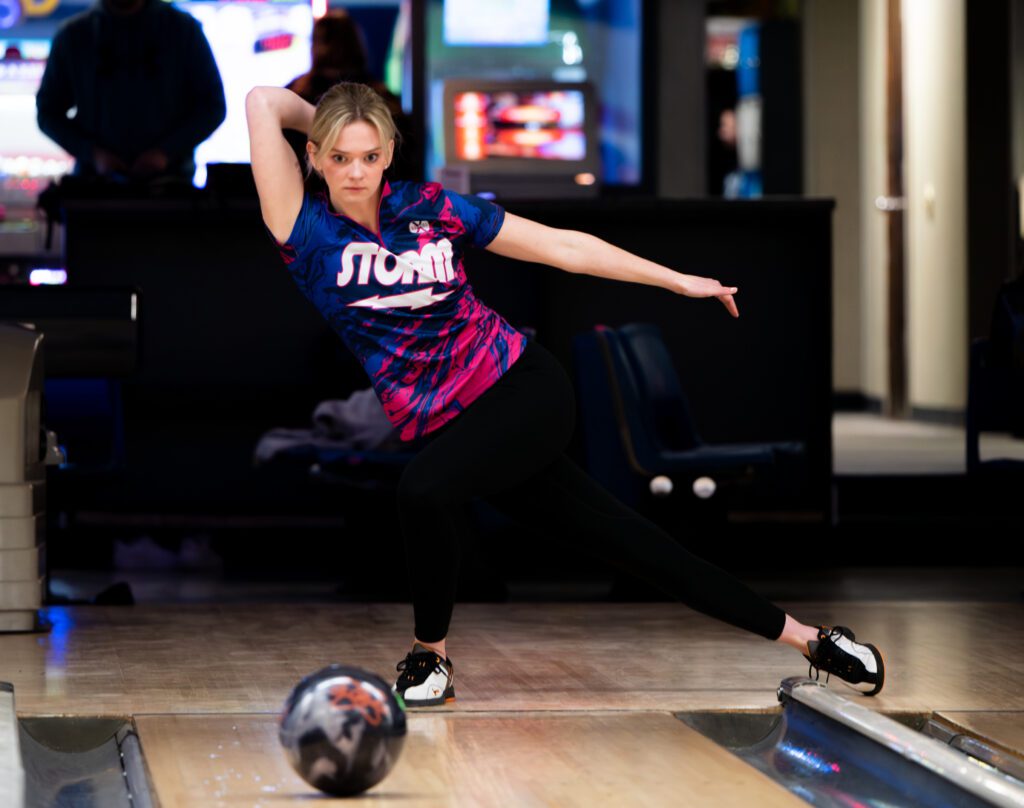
{"x":507,"y":448}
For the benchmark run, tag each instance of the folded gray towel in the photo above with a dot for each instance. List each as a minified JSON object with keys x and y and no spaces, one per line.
{"x":359,"y":418}
{"x":357,"y":422}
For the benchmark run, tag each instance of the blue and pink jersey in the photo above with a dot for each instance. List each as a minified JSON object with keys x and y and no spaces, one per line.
{"x":400,"y":300}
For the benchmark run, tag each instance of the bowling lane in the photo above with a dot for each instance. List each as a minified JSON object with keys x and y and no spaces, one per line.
{"x":465,"y":759}
{"x":1003,"y":729}
{"x":245,"y":658}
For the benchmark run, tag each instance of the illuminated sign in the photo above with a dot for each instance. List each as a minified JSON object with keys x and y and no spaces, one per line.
{"x":12,"y":11}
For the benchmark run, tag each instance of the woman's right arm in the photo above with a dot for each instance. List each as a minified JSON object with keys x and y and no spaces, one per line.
{"x":274,"y":165}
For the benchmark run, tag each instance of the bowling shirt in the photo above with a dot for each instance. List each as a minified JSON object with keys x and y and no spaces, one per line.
{"x":400,"y":301}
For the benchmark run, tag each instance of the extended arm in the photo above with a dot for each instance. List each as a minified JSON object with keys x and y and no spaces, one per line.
{"x":573,"y":251}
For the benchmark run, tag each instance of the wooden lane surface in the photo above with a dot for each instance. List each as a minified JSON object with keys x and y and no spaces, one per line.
{"x":245,"y":658}
{"x":467,"y":759}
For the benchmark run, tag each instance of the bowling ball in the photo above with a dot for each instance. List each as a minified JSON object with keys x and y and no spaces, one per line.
{"x":342,"y":729}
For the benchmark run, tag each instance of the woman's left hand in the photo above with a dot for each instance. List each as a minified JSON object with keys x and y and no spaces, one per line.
{"x":696,"y":286}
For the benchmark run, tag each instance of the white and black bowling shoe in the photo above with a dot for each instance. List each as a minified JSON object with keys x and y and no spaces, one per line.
{"x":858,"y":665}
{"x":427,"y":678}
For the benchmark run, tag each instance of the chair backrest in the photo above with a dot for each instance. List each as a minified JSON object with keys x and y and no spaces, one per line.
{"x":638,"y":438}
{"x":634,"y":396}
{"x":661,"y":404}
{"x":605,"y":445}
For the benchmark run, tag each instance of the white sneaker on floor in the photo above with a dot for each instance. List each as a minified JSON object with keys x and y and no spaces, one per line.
{"x":427,"y":679}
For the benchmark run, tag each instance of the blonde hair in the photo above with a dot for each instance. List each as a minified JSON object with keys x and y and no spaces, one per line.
{"x":345,"y":103}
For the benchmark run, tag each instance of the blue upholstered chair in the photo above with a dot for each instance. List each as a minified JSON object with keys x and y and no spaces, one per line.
{"x":637,"y":423}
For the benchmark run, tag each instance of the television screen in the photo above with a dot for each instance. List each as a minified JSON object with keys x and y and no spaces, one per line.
{"x":253,"y":44}
{"x":496,"y":22}
{"x":561,"y":45}
{"x":547,"y":125}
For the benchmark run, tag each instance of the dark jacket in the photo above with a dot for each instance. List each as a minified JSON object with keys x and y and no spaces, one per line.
{"x":137,"y":82}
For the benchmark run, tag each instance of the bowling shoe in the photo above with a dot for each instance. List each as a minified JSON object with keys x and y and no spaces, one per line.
{"x":427,"y":679}
{"x":858,"y":665}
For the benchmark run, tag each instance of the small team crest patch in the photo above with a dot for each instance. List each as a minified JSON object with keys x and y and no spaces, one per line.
{"x":419,"y":226}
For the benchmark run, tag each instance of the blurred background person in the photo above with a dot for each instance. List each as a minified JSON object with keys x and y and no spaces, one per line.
{"x":144,"y":87}
{"x":729,"y":157}
{"x":339,"y":53}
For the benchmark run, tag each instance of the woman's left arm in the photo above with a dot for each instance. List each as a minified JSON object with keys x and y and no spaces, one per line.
{"x":526,"y":240}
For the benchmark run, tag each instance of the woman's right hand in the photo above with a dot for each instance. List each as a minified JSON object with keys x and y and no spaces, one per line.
{"x":696,"y":286}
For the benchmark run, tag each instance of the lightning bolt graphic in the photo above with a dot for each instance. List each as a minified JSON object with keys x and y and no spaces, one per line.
{"x":413,"y":300}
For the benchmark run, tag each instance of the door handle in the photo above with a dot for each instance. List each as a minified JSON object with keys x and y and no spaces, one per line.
{"x":890,"y":203}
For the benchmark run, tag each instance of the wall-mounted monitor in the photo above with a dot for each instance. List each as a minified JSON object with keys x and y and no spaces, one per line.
{"x":539,"y":127}
{"x":254,"y":44}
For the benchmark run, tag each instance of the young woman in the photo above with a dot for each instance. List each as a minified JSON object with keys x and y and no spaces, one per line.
{"x":494,"y":411}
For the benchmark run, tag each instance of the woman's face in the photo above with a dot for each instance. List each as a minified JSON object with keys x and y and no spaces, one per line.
{"x":354,"y":166}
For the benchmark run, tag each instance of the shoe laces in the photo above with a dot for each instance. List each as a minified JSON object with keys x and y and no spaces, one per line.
{"x":832,"y":632}
{"x":417,"y":666}
{"x":817,"y":673}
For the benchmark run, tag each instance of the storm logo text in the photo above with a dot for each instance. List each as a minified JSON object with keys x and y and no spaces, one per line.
{"x":363,"y":263}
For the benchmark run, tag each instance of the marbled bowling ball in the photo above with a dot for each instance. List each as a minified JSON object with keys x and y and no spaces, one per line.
{"x":342,"y":729}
